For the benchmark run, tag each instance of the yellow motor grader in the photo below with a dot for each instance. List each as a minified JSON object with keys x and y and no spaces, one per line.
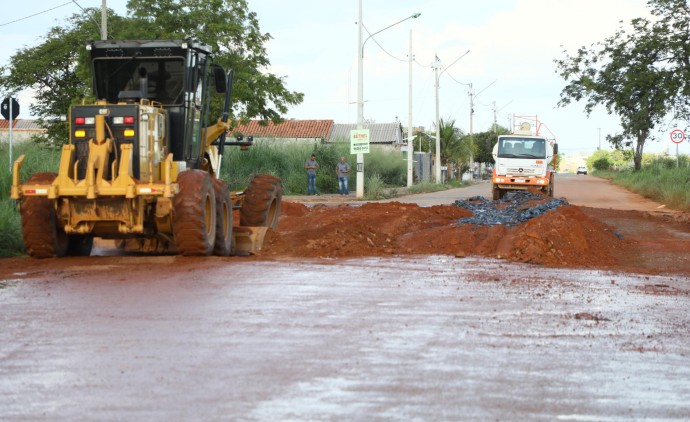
{"x":142,"y":166}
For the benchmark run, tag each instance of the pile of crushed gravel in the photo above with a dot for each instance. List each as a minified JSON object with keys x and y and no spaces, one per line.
{"x":509,"y":211}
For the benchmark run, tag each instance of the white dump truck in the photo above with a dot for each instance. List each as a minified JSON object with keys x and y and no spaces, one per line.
{"x":524,"y":161}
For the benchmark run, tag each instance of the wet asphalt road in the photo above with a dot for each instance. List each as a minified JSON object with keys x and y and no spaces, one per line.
{"x":427,"y":338}
{"x":432,"y":338}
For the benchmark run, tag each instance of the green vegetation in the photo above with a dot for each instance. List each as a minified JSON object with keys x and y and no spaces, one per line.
{"x":37,"y":160}
{"x":661,"y":178}
{"x":57,"y":69}
{"x":383,"y":168}
{"x":640,"y":75}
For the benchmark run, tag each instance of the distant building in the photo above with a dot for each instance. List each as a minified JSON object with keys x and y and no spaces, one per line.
{"x":22,"y":130}
{"x":379,"y":133}
{"x":287,"y":131}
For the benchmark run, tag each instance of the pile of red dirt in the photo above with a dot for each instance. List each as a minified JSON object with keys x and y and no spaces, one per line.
{"x":562,"y":237}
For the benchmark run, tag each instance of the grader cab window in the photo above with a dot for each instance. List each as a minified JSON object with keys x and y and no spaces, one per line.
{"x":157,"y":79}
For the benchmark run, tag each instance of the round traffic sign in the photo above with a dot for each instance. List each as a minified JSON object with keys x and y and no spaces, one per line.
{"x":677,"y":135}
{"x":8,"y":106}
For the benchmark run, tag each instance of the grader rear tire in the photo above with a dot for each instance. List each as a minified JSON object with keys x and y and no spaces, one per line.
{"x":223,"y":245}
{"x":43,"y":238}
{"x":194,"y":218}
{"x":262,"y":200}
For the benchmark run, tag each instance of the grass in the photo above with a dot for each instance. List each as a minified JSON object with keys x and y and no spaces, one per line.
{"x":286,"y":161}
{"x":670,"y":186}
{"x":37,"y":159}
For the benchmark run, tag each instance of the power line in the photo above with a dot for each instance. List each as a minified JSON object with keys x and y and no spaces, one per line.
{"x":377,"y":43}
{"x":35,"y":14}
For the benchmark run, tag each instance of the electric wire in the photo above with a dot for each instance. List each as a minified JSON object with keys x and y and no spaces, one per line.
{"x":35,"y":14}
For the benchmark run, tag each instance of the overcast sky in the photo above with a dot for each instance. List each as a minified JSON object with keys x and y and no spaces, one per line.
{"x":512,"y":44}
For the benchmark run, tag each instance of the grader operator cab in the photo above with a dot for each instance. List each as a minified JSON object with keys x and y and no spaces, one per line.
{"x":142,"y":166}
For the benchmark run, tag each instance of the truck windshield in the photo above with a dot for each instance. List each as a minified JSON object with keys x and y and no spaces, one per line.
{"x":165,"y":78}
{"x":517,"y":147}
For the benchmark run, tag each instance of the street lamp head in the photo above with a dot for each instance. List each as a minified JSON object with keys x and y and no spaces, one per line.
{"x":416,"y":15}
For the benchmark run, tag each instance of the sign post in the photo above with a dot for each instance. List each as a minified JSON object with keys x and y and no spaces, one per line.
{"x":10,"y":110}
{"x":677,"y":136}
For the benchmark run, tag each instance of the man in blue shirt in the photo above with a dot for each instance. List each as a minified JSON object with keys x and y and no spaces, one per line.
{"x":311,"y":165}
{"x":341,"y":170}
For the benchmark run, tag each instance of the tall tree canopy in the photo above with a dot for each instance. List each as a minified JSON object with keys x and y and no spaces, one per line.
{"x":640,"y":76}
{"x":58,"y":69}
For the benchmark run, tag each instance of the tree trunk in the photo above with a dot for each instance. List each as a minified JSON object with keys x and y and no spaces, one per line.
{"x":639,"y":147}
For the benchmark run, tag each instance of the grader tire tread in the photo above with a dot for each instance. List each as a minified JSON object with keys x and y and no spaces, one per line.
{"x":223,"y":245}
{"x":262,"y":200}
{"x":42,"y":236}
{"x":194,"y":219}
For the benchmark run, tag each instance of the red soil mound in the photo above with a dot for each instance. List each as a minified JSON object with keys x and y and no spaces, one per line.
{"x":563,"y":237}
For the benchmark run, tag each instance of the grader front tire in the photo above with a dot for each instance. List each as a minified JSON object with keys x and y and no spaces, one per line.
{"x":43,"y":238}
{"x":194,"y":219}
{"x":262,"y":199}
{"x":224,"y":243}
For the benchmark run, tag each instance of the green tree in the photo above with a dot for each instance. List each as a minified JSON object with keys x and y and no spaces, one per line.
{"x":52,"y":70}
{"x":57,"y":70}
{"x":456,"y":147}
{"x":485,"y":141}
{"x":629,"y":74}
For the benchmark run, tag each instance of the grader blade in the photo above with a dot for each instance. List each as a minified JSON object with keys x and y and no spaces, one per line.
{"x":249,"y":240}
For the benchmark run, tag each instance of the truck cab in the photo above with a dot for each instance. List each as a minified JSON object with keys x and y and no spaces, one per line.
{"x":523,"y":161}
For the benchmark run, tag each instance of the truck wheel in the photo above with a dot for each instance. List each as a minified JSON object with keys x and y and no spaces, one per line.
{"x":223,"y":245}
{"x":194,"y":214}
{"x":43,"y":238}
{"x":497,"y":193}
{"x":262,"y":200}
{"x":551,"y":187}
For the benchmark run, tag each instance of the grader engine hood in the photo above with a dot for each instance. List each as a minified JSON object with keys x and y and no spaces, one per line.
{"x":141,"y":126}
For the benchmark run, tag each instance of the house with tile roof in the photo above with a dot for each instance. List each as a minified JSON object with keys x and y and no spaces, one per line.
{"x":379,"y":133}
{"x":22,"y":130}
{"x":287,"y":131}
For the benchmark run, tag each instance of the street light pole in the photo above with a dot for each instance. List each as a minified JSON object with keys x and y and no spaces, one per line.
{"x":410,"y":148}
{"x":104,"y":20}
{"x":437,"y":153}
{"x":360,"y":90}
{"x":360,"y":102}
{"x":436,"y":65}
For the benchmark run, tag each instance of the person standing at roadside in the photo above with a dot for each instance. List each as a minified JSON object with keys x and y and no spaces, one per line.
{"x":342,"y":169}
{"x":311,"y":165}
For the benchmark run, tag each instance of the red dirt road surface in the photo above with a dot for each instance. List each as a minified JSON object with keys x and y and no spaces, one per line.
{"x":358,"y":312}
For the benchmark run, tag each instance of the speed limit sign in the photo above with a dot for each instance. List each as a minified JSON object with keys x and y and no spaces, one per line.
{"x":677,"y":136}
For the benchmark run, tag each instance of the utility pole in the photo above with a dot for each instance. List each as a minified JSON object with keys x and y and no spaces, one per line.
{"x":360,"y":102}
{"x":104,"y":20}
{"x":410,"y":145}
{"x":599,"y":138}
{"x":436,"y":65}
{"x":360,"y":90}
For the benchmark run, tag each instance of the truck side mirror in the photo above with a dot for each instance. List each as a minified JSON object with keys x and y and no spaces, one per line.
{"x":555,"y":149}
{"x":220,"y":79}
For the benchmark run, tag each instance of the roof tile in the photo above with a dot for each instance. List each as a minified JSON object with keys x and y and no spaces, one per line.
{"x":287,"y":129}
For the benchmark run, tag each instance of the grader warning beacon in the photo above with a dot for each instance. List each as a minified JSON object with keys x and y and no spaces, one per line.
{"x":142,"y":167}
{"x":524,"y":161}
